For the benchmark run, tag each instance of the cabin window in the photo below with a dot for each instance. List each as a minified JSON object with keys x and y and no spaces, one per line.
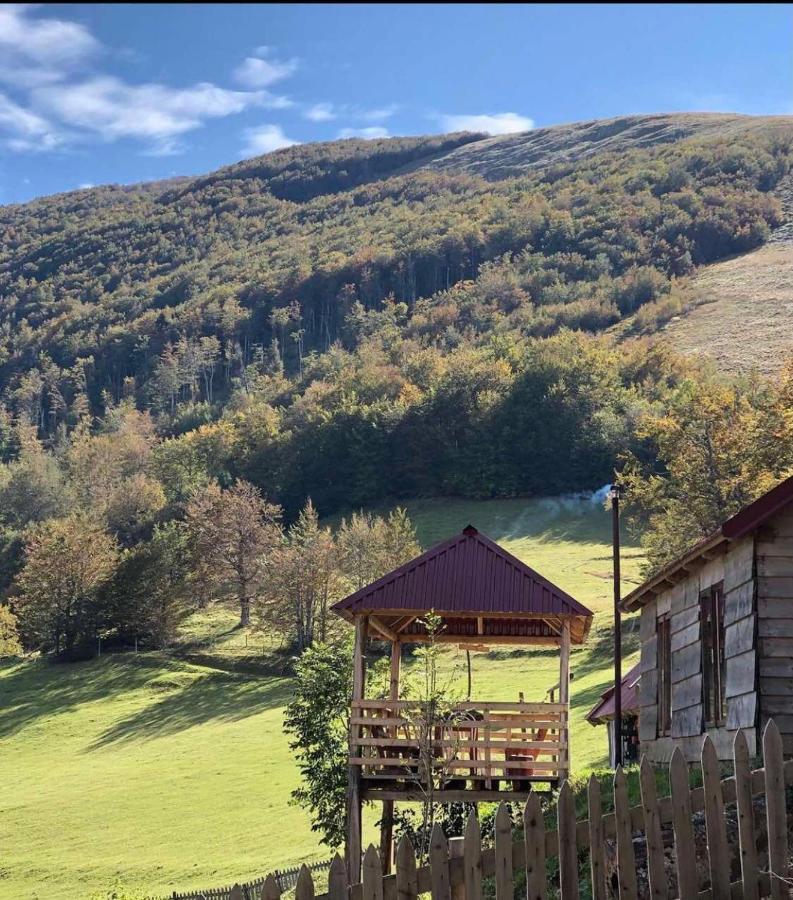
{"x":711,"y":604}
{"x":664,"y":676}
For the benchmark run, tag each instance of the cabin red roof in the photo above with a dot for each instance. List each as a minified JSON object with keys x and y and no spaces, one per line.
{"x":744,"y":522}
{"x":469,"y":577}
{"x":604,"y":709}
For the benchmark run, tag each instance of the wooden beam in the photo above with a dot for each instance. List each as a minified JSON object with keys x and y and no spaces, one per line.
{"x":352,"y":849}
{"x":564,"y":697}
{"x":480,"y":625}
{"x":382,"y":628}
{"x":387,"y":819}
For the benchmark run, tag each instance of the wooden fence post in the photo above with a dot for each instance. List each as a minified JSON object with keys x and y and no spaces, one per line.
{"x":504,"y":880}
{"x":775,"y":810}
{"x":568,"y":852}
{"x":597,"y":868}
{"x":439,"y":865}
{"x":472,"y":859}
{"x":456,"y":851}
{"x":683,"y":829}
{"x":656,"y":876}
{"x":743,"y":798}
{"x":270,"y":889}
{"x":407,"y":885}
{"x":304,"y":889}
{"x":626,"y":859}
{"x":534,"y":840}
{"x":337,"y":880}
{"x":372,"y":875}
{"x":236,"y":893}
{"x":718,"y":855}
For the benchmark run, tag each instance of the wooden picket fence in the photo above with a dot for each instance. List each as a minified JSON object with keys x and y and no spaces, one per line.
{"x":285,"y":879}
{"x":459,"y":875}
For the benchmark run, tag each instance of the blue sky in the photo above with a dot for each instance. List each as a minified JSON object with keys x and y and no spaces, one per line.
{"x":124,"y":93}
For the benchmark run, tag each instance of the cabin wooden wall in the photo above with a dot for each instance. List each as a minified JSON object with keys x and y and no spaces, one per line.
{"x":735,"y":569}
{"x":775,"y":623}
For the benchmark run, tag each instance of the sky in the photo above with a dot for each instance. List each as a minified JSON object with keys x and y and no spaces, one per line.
{"x":122,"y":93}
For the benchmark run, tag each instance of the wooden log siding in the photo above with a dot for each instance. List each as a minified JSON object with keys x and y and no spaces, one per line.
{"x":707,"y":878}
{"x":775,"y":624}
{"x":736,"y":570}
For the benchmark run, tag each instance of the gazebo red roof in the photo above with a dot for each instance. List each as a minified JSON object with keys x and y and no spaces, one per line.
{"x":605,"y":708}
{"x":479,"y":589}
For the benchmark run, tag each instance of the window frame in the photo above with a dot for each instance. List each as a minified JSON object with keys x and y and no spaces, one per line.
{"x":712,"y":635}
{"x":663,"y":627}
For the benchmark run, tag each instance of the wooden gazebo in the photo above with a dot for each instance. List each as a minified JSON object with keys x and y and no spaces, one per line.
{"x":486,"y":750}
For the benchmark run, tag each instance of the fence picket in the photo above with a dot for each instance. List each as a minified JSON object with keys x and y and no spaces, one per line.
{"x":626,"y":860}
{"x":534,"y":843}
{"x":504,"y":880}
{"x":775,"y":810}
{"x":597,"y":867}
{"x":270,"y":890}
{"x":337,"y":880}
{"x":304,"y":889}
{"x":568,"y":853}
{"x":472,"y":859}
{"x":407,"y":884}
{"x":656,"y":875}
{"x":439,"y":865}
{"x":718,"y":855}
{"x":372,"y":878}
{"x":743,"y":798}
{"x":683,"y":829}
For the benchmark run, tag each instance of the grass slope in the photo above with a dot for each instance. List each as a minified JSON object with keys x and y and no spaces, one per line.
{"x":171,"y":775}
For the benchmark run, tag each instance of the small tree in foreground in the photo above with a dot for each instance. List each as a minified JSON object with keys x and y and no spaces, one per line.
{"x":9,"y":636}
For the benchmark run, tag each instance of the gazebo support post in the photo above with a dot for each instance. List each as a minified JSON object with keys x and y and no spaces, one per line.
{"x":387,"y":819}
{"x":564,"y":697}
{"x":352,"y":849}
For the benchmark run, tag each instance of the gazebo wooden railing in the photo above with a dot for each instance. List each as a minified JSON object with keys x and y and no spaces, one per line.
{"x":471,"y":745}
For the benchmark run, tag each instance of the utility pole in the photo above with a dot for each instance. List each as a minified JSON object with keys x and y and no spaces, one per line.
{"x":615,"y":538}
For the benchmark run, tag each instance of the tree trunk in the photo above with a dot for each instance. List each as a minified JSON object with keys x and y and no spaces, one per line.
{"x":245,"y":612}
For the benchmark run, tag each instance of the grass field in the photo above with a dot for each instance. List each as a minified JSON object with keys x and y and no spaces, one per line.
{"x":170,"y":775}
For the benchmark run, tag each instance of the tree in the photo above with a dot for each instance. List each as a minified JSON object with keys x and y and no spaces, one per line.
{"x":305,"y":579}
{"x":233,"y":534}
{"x":57,"y":594}
{"x":370,"y":546}
{"x":317,"y":722}
{"x":9,"y":635}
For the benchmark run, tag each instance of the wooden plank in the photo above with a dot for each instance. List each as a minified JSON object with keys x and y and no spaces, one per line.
{"x":718,"y":855}
{"x":647,"y":623}
{"x":741,"y":674}
{"x":626,"y":860}
{"x":472,"y":859}
{"x":496,"y":765}
{"x":741,"y":712}
{"x":649,"y":654}
{"x":774,"y":566}
{"x":687,"y":693}
{"x":648,"y":729}
{"x":534,"y":844}
{"x":271,"y":891}
{"x":684,"y":619}
{"x":564,"y":695}
{"x":775,"y":667}
{"x":504,"y":880}
{"x":440,"y":886}
{"x":597,"y":865}
{"x":685,"y":637}
{"x":648,"y":688}
{"x":775,"y":811}
{"x":656,"y":875}
{"x":772,"y":588}
{"x":568,"y":854}
{"x":236,"y":893}
{"x":776,"y":687}
{"x":687,"y":722}
{"x":407,"y":885}
{"x":739,"y":602}
{"x":372,"y":875}
{"x":518,"y":741}
{"x":739,"y":637}
{"x":682,"y":827}
{"x":738,"y":562}
{"x":773,"y":628}
{"x":780,"y":647}
{"x":304,"y":889}
{"x":773,"y":607}
{"x":743,"y":798}
{"x":686,"y":662}
{"x":467,"y":706}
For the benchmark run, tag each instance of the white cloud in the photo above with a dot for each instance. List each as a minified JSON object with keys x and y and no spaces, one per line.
{"x":255,"y":72}
{"x":265,"y":139}
{"x":26,"y":130}
{"x":154,"y":112}
{"x":494,"y":123}
{"x":46,"y":41}
{"x":368,"y":134}
{"x":379,"y":114}
{"x":320,"y":112}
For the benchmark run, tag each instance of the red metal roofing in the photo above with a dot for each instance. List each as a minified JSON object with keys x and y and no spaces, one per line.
{"x":470,"y":575}
{"x":742,"y":523}
{"x":604,"y":708}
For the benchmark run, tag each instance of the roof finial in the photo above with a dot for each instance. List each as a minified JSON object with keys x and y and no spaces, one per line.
{"x":470,"y":531}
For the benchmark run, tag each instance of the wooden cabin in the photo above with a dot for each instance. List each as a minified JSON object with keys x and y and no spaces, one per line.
{"x":477,"y":750}
{"x":604,"y":712}
{"x":716,"y":632}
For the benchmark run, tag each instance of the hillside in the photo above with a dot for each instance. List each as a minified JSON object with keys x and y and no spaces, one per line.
{"x":177,"y":775}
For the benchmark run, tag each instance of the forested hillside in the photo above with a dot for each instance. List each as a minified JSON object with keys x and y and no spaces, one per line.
{"x":380,"y":319}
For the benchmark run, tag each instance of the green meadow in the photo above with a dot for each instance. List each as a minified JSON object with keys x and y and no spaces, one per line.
{"x":171,"y":773}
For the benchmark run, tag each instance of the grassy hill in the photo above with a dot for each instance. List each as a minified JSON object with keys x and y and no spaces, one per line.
{"x":172,"y":775}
